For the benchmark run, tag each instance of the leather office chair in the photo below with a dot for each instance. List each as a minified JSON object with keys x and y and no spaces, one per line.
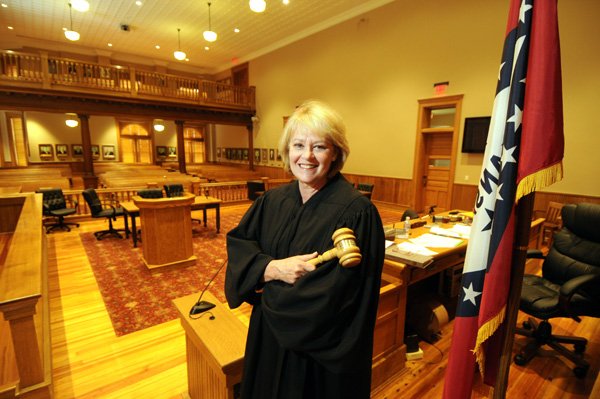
{"x":55,"y":205}
{"x":550,"y":225}
{"x":99,"y":211}
{"x":411,"y":213}
{"x":568,"y":286}
{"x":174,"y":190}
{"x":366,"y":189}
{"x":150,"y":193}
{"x":256,"y":188}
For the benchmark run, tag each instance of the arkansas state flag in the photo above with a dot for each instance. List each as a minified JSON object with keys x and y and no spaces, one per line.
{"x":524,"y":153}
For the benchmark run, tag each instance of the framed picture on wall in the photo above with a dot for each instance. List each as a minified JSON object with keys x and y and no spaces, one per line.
{"x":172,"y":151}
{"x":245,"y":154}
{"x":264,"y":155}
{"x":219,"y":152}
{"x":271,"y":154}
{"x":46,"y":151}
{"x":108,"y":152}
{"x":62,"y":150}
{"x":161,"y":151}
{"x":76,"y":150}
{"x":257,"y":155}
{"x":95,"y":151}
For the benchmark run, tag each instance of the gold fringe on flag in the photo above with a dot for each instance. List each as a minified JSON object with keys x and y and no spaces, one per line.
{"x":484,"y":332}
{"x":540,"y":179}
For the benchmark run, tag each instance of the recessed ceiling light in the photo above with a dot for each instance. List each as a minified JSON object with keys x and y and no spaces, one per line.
{"x":157,"y":47}
{"x":109,"y":44}
{"x":187,"y":59}
{"x":10,"y":28}
{"x":236,"y":30}
{"x":4,"y":5}
{"x":206,"y":48}
{"x":286,"y":2}
{"x":138,"y":3}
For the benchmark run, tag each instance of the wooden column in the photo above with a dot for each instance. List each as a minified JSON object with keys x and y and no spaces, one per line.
{"x":180,"y":146}
{"x":250,"y":146}
{"x":89,"y":179}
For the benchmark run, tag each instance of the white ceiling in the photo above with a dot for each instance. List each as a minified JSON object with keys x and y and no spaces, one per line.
{"x":40,"y":23}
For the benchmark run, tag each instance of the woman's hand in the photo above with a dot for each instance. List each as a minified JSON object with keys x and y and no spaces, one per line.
{"x":289,"y":269}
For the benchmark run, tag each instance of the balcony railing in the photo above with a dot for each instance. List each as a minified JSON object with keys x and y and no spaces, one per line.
{"x":47,"y":72}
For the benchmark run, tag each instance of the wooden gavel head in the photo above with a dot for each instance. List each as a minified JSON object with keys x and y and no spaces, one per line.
{"x":344,"y":242}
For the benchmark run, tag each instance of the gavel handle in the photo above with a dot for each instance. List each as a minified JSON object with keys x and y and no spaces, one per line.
{"x":324,"y":257}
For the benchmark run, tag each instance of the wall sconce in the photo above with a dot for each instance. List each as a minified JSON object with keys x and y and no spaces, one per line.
{"x":159,"y":125}
{"x":72,"y":120}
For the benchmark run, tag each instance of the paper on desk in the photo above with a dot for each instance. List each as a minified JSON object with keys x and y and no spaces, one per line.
{"x":458,"y":231}
{"x":436,"y":241}
{"x":412,"y":248}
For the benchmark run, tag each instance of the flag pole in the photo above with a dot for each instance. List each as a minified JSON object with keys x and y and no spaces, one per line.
{"x":523,"y":224}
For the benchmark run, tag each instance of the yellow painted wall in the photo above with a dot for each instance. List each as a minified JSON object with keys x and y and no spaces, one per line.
{"x":374,"y":68}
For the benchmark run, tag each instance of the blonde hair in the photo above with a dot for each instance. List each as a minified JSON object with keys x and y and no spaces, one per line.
{"x":320,"y":119}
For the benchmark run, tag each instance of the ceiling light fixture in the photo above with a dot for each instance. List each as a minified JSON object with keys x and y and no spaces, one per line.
{"x":179,"y":55}
{"x":80,"y":5}
{"x":209,"y":35}
{"x":72,"y":120}
{"x":257,"y":5}
{"x":70,"y":33}
{"x":159,"y":125}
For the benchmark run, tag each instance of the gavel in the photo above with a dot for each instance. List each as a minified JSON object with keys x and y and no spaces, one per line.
{"x":344,"y":247}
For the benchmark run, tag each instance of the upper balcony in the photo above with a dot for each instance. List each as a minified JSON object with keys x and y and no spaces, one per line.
{"x":41,"y":72}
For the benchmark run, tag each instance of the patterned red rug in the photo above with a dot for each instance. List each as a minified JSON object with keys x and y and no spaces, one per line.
{"x":137,"y":298}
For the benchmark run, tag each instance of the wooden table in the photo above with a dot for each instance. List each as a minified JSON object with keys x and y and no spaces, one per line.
{"x":201,"y":202}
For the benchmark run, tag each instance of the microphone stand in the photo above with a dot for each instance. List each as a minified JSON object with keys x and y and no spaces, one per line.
{"x":202,"y":306}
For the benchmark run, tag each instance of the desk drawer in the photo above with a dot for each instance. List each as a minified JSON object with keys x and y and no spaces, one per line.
{"x":437,"y":266}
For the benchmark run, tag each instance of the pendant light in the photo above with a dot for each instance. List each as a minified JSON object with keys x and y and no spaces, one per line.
{"x":72,"y":120}
{"x":81,"y":5}
{"x":179,"y":55}
{"x":70,"y":33}
{"x":257,"y":5}
{"x":209,"y":35}
{"x":158,"y":125}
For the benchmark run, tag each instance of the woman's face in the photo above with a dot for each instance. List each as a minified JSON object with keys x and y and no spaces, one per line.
{"x":310,"y":158}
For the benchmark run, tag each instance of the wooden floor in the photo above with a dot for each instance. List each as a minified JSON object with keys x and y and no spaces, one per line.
{"x":89,"y":361}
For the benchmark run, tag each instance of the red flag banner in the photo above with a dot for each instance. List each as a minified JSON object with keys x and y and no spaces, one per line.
{"x":523,"y":153}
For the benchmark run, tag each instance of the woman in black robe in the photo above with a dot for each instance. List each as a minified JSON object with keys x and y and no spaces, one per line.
{"x":311,"y":329}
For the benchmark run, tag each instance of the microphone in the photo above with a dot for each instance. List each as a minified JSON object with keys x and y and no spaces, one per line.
{"x":202,"y":306}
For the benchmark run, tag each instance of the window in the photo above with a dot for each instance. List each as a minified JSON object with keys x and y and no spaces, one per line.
{"x":136,"y":142}
{"x":14,"y":142}
{"x":193,"y":138}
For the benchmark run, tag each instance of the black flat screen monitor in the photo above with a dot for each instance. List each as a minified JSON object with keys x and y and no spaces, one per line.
{"x":475,"y":134}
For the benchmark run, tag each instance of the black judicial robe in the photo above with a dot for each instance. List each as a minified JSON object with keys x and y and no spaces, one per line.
{"x":313,"y":339}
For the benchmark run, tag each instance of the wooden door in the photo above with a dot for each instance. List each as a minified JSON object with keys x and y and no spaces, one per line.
{"x":435,"y":152}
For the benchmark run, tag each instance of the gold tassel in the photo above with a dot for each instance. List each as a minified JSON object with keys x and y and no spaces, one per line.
{"x":484,"y":332}
{"x":540,"y":179}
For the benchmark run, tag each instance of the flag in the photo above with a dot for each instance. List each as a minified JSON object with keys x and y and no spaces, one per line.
{"x":523,"y":153}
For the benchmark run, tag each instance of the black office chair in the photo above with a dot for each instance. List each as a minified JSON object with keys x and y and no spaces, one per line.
{"x":411,"y":213}
{"x":569,"y":285}
{"x":256,"y":188}
{"x":174,"y":190}
{"x":366,"y":189}
{"x":99,"y":211}
{"x":55,"y":205}
{"x":150,"y":193}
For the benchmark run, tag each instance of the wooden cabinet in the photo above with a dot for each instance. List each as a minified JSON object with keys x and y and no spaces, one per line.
{"x":435,"y":152}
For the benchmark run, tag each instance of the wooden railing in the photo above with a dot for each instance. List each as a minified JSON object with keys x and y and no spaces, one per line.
{"x":48,"y":72}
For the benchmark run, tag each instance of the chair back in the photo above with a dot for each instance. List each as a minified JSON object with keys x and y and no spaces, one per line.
{"x":575,"y":250}
{"x":553,"y":212}
{"x":150,"y":193}
{"x":255,"y":189}
{"x":411,"y":213}
{"x":53,"y":198}
{"x":174,"y":190}
{"x":366,"y":187}
{"x":91,"y":197}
